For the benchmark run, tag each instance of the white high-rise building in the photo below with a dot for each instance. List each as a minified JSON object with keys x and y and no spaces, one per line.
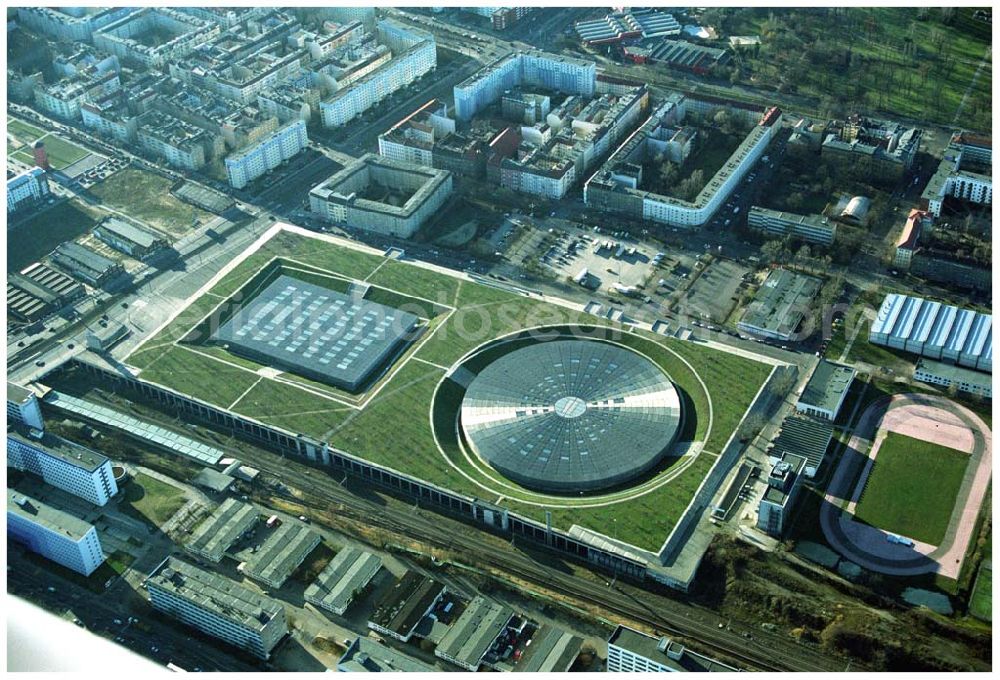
{"x":30,"y":187}
{"x":217,"y":606}
{"x":53,"y":533}
{"x":23,"y":408}
{"x":531,"y":68}
{"x":414,"y":54}
{"x":63,"y":464}
{"x":250,"y":163}
{"x":630,"y":651}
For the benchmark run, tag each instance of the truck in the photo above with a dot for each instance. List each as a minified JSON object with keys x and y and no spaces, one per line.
{"x":272,"y":522}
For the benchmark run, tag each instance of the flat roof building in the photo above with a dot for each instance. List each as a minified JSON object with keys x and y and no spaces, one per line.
{"x":403,"y":606}
{"x":217,"y":607}
{"x":528,"y":68}
{"x":935,"y":330}
{"x":781,"y":304}
{"x":348,"y":573}
{"x":630,"y":651}
{"x":826,"y":390}
{"x":53,"y":534}
{"x":222,"y":529}
{"x":23,"y":408}
{"x":806,"y":437}
{"x":27,"y":189}
{"x":63,"y":464}
{"x":366,"y":655}
{"x":472,"y":635}
{"x":950,"y":376}
{"x":608,"y":190}
{"x":282,"y":553}
{"x":808,"y":228}
{"x":382,"y":195}
{"x":317,"y":332}
{"x":774,"y":513}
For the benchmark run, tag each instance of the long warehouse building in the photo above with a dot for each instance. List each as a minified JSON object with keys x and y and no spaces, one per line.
{"x":935,"y":330}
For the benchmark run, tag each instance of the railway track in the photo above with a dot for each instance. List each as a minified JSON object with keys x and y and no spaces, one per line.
{"x":321,"y":490}
{"x":761,"y":650}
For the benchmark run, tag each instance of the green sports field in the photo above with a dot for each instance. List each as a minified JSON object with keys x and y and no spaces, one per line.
{"x":912,"y":488}
{"x":390,"y":423}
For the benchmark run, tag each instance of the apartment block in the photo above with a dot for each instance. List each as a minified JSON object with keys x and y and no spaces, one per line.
{"x":27,"y":189}
{"x":255,"y":159}
{"x":217,"y":607}
{"x":62,"y":464}
{"x":53,"y":534}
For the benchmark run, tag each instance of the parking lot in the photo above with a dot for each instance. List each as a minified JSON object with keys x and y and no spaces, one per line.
{"x":715,"y":292}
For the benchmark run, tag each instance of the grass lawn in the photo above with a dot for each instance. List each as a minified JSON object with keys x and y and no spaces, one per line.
{"x":146,"y":196}
{"x":60,"y":152}
{"x":981,"y":604}
{"x":26,"y":133}
{"x":38,"y":236}
{"x":912,"y":488}
{"x":399,"y":413}
{"x":152,"y":500}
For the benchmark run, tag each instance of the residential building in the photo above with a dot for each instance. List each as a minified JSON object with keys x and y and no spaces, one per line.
{"x":64,"y":98}
{"x":23,"y":408}
{"x":180,"y":144}
{"x":249,"y":163}
{"x":630,"y":651}
{"x":412,"y":139}
{"x":774,"y":514}
{"x":86,"y":265}
{"x":414,"y":54}
{"x":27,"y":189}
{"x":109,"y":118}
{"x":525,"y":69}
{"x":878,"y":149}
{"x":824,"y":394}
{"x":62,"y":464}
{"x":906,"y":245}
{"x":70,"y":23}
{"x":365,"y":655}
{"x":809,"y":228}
{"x":217,"y":607}
{"x":781,"y":305}
{"x":471,"y":636}
{"x":53,"y":534}
{"x":359,"y":195}
{"x":935,"y":330}
{"x":129,"y":238}
{"x":964,"y":173}
{"x":154,"y":36}
{"x":403,"y":607}
{"x":950,"y":376}
{"x":606,"y":189}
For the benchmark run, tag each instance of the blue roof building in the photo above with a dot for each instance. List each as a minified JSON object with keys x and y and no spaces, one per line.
{"x":935,"y":330}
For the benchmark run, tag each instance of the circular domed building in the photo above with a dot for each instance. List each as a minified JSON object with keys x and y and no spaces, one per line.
{"x":565,"y":416}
